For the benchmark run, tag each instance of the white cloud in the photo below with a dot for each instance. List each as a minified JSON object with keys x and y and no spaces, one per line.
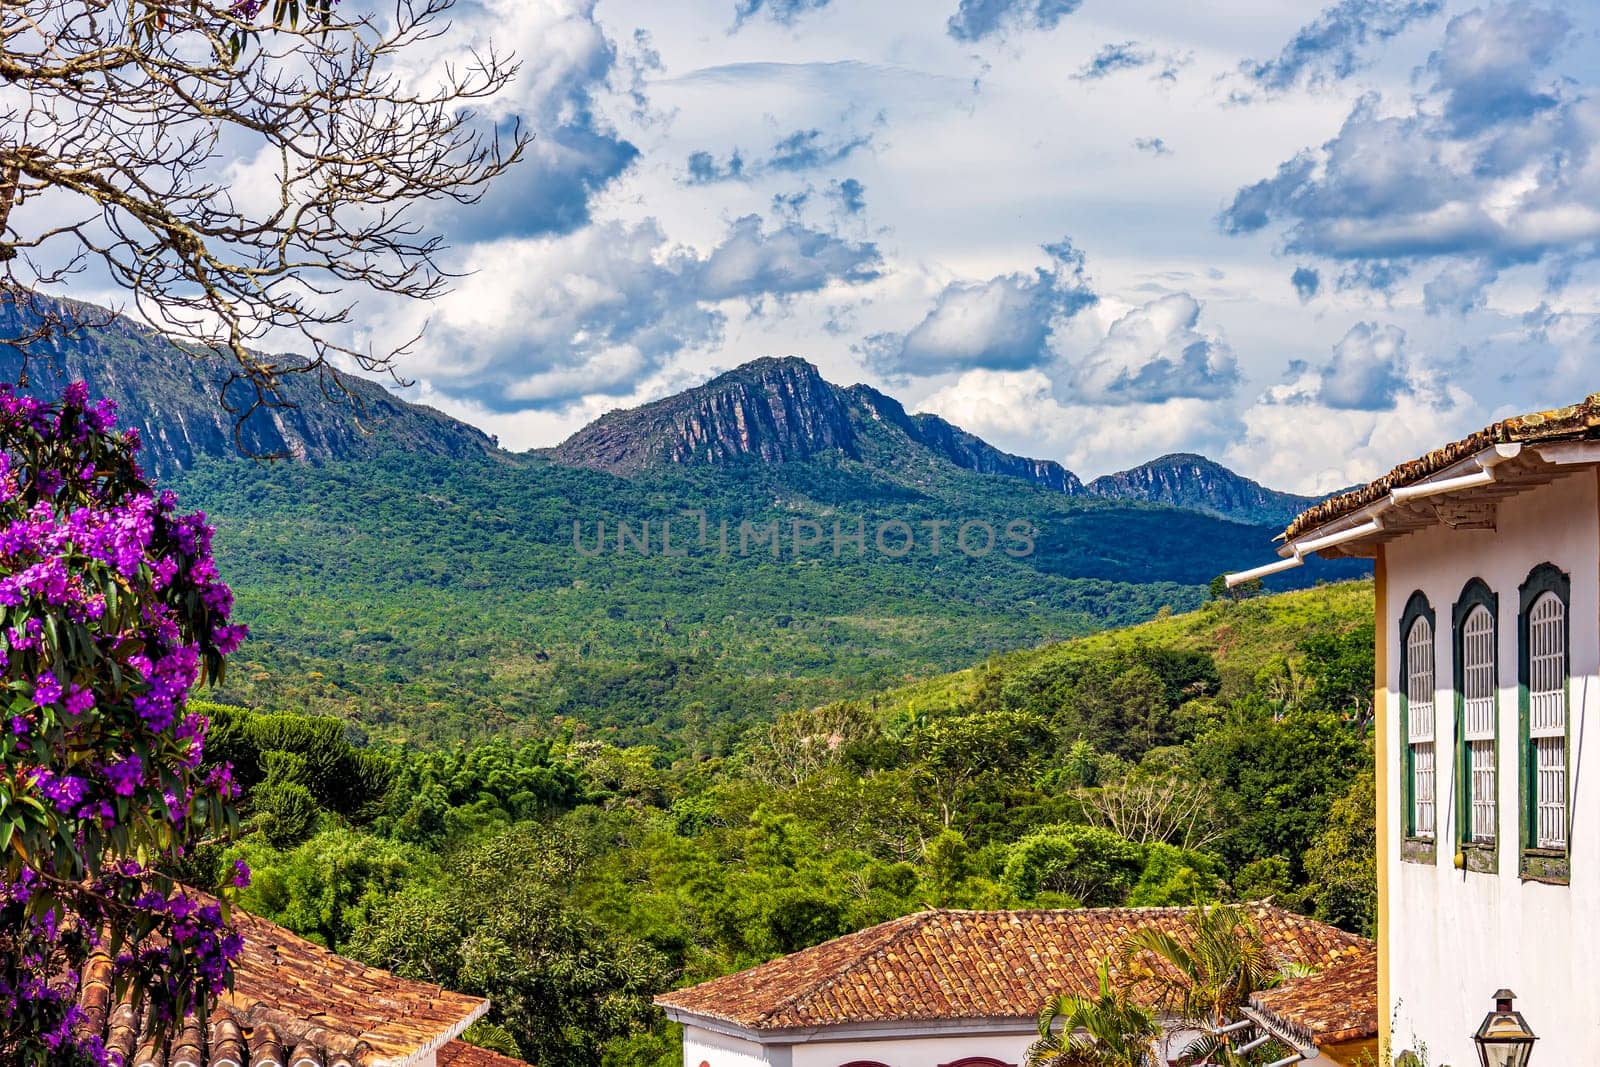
{"x":1155,"y":353}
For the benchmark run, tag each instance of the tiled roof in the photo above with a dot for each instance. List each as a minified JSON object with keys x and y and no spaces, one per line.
{"x":293,"y":1003}
{"x":1338,"y":1004}
{"x":963,"y":965}
{"x":461,"y":1054}
{"x":1578,"y":422}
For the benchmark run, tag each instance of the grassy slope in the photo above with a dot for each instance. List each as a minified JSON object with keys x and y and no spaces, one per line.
{"x":1244,"y":638}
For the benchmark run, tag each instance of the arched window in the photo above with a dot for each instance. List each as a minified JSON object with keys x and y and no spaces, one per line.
{"x":1418,"y":779}
{"x":1544,"y":665}
{"x":1477,"y":682}
{"x":978,"y":1061}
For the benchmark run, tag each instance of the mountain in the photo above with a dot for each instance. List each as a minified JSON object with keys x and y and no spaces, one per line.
{"x":1185,"y":480}
{"x":171,"y":396}
{"x":766,"y":541}
{"x":780,"y":410}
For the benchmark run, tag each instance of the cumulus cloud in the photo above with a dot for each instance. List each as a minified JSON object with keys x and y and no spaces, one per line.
{"x":546,"y":321}
{"x":1306,"y":282}
{"x":1020,"y":411}
{"x":791,"y":259}
{"x":1154,"y":145}
{"x":1003,"y":323}
{"x":1368,"y":370}
{"x":975,"y":20}
{"x":1494,"y":163}
{"x":1155,"y":353}
{"x":1330,"y":46}
{"x":799,"y":151}
{"x":785,"y":12}
{"x":1489,"y":60}
{"x":566,"y":61}
{"x":1293,"y":439}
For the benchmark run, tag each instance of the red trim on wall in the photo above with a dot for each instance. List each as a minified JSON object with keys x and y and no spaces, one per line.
{"x":977,"y":1061}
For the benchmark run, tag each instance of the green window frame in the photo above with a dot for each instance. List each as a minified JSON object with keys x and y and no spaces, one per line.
{"x":1419,"y":735}
{"x":1477,"y":724}
{"x":1544,"y":723}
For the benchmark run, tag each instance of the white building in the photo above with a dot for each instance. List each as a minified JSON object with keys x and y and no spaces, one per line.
{"x":1487,"y":557}
{"x":961,"y":989}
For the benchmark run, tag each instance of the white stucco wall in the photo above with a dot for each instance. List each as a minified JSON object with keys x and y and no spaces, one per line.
{"x":912,"y":1046}
{"x":915,"y":1052}
{"x":1454,"y":937}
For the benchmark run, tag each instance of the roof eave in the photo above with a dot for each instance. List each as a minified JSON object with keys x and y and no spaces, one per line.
{"x":425,"y":1052}
{"x":1296,"y":1037}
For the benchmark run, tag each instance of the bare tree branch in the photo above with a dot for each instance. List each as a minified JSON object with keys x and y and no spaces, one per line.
{"x":241,"y":172}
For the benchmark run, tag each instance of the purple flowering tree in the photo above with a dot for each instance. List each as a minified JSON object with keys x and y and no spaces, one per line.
{"x":111,"y":610}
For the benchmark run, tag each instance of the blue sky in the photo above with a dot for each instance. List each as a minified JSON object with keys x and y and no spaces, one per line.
{"x":1309,"y":241}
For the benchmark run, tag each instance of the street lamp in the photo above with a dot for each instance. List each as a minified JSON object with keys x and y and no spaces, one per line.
{"x":1503,"y":1038}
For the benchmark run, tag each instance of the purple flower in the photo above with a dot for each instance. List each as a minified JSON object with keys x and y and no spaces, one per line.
{"x":125,"y":775}
{"x":46,"y":690}
{"x":241,"y":874}
{"x":79,"y":700}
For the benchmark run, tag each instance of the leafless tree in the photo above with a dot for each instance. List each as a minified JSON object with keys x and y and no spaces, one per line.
{"x":239,"y":169}
{"x":1145,"y":807}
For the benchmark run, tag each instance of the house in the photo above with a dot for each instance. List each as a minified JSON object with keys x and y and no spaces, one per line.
{"x":1487,"y":585}
{"x":295,"y":1004}
{"x":940,"y":988}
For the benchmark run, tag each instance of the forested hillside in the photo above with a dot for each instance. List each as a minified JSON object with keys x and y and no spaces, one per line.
{"x":430,"y":599}
{"x":1218,"y":754}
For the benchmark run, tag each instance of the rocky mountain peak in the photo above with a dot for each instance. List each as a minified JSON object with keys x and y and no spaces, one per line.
{"x":1187,"y":480}
{"x":775,"y":410}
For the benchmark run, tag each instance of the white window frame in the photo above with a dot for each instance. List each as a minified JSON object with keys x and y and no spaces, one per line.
{"x":1478,"y":713}
{"x":1421,"y":726}
{"x":1547,"y":720}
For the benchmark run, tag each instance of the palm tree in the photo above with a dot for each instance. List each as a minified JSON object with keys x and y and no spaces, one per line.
{"x":1206,"y":975}
{"x":1107,"y":1030}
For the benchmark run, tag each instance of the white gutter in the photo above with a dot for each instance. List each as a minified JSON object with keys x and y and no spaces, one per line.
{"x":1487,"y":462}
{"x":1286,"y":1061}
{"x":1296,"y":551}
{"x":1263,"y":570}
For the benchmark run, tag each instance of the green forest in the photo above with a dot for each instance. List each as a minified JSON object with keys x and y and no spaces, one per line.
{"x":1219,"y":754}
{"x":431,"y":599}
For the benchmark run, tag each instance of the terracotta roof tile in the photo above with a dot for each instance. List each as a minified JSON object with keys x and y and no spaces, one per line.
{"x":963,"y":965}
{"x":461,"y":1054}
{"x":293,"y":1002}
{"x":1577,"y":422}
{"x":1338,"y":1004}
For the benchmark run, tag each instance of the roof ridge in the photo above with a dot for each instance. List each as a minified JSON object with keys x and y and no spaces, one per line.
{"x":919,"y":919}
{"x":909,"y":923}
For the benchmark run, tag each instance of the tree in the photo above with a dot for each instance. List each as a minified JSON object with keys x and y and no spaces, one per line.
{"x":1160,"y":800}
{"x":1274,"y":779}
{"x":1342,"y":862}
{"x":499,"y":926}
{"x":1340,"y":667}
{"x":111,"y":610}
{"x":1204,"y":975}
{"x":958,"y":752}
{"x":1106,"y":1030}
{"x":128,"y":117}
{"x":1092,"y":866}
